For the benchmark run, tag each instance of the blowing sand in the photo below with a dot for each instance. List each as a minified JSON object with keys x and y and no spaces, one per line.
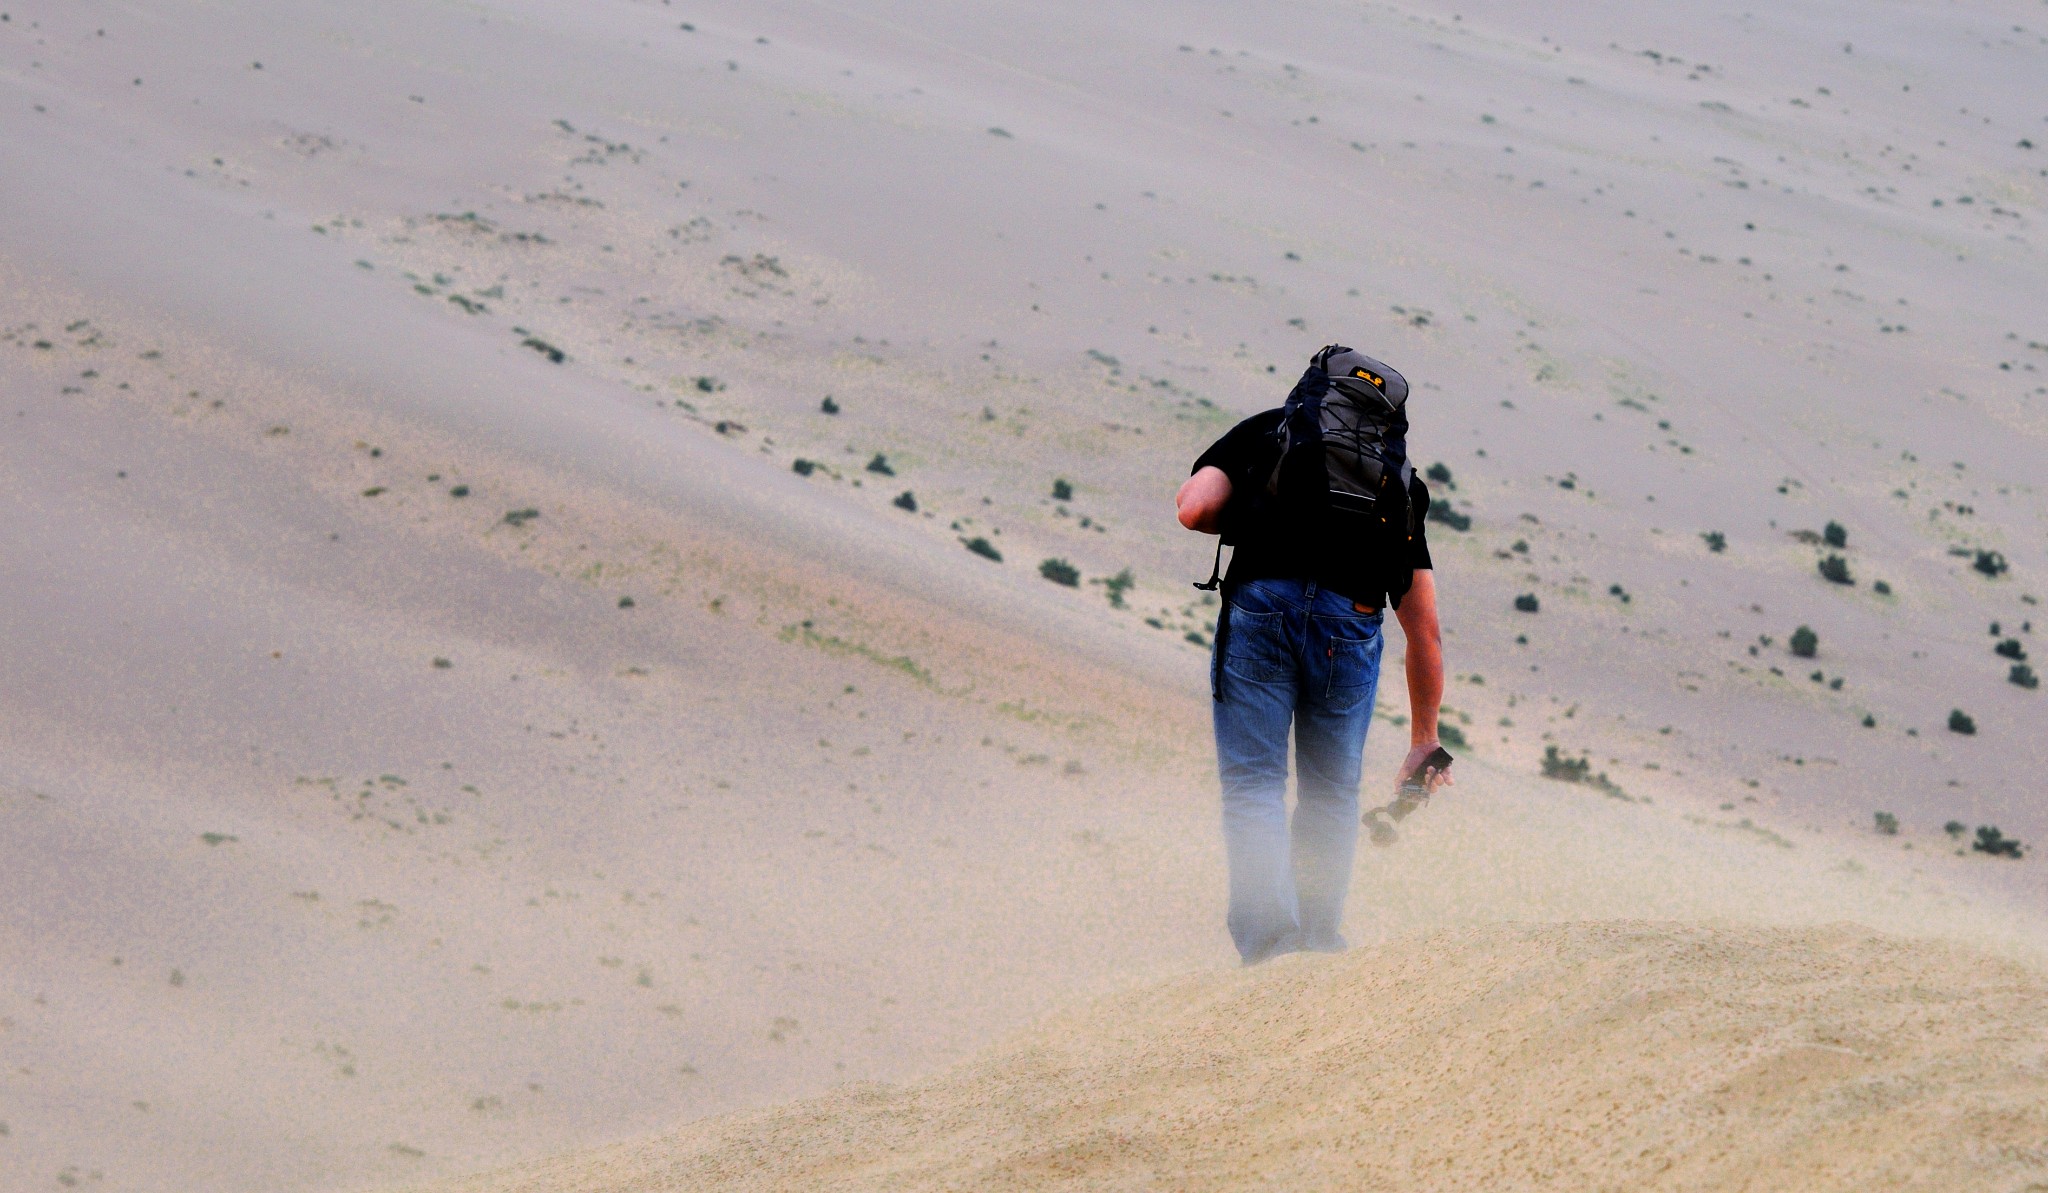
{"x":1622,"y":1055}
{"x":524,"y":620}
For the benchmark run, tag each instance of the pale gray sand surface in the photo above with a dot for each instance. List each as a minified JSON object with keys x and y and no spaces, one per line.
{"x":290,"y":905}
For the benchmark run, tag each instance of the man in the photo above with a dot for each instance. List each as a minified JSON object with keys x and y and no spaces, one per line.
{"x":1298,"y":642}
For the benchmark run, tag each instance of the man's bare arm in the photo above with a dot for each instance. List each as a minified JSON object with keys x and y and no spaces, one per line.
{"x":1201,"y":500}
{"x":1425,"y":666}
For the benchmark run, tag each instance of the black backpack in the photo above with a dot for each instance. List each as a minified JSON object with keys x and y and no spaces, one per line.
{"x":1342,"y":473}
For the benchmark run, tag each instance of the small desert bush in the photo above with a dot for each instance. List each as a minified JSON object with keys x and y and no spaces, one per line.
{"x":1887,"y":824}
{"x":1715,"y":541}
{"x":1527,"y":603}
{"x":1961,"y":722}
{"x":1441,"y":513}
{"x":1062,"y":491}
{"x":1990,"y":840}
{"x":880,"y":465}
{"x":1564,"y":769}
{"x":2023,"y":676}
{"x":982,"y":547}
{"x":2010,"y":648}
{"x":1835,"y":535}
{"x":1116,"y":586}
{"x":1059,"y":571}
{"x":802,"y":467}
{"x":906,"y":500}
{"x":1991,"y":563}
{"x":1835,"y":570}
{"x":1805,"y":643}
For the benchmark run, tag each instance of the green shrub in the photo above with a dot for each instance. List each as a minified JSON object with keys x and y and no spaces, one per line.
{"x":906,"y":500}
{"x":521,"y":517}
{"x":982,"y":547}
{"x":2011,"y":649}
{"x":1565,"y":770}
{"x":1448,"y":734}
{"x":1887,"y":824}
{"x":1579,"y":770}
{"x":1441,"y":512}
{"x":1835,"y":570}
{"x":625,"y":602}
{"x":802,"y":467}
{"x":555,"y":355}
{"x":1059,"y":571}
{"x":459,"y":491}
{"x":1715,"y":540}
{"x":1062,"y":491}
{"x":1961,"y":722}
{"x":1956,"y":829}
{"x":1805,"y":643}
{"x":1440,"y":474}
{"x":1527,"y":603}
{"x":2024,"y":676}
{"x":712,"y":385}
{"x":1835,"y":535}
{"x":1991,"y":563}
{"x":1116,"y":586}
{"x":828,"y":406}
{"x":1990,"y":840}
{"x":1881,"y":588}
{"x":880,"y":465}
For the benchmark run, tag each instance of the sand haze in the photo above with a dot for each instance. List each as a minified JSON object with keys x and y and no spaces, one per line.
{"x":602,"y":577}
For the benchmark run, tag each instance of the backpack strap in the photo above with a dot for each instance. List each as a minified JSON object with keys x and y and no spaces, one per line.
{"x":1215,"y":580}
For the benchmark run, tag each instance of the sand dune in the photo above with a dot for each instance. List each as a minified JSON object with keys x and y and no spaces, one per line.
{"x":1621,"y":1055}
{"x":521,"y":529}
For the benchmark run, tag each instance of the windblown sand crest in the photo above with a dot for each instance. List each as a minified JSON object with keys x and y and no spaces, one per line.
{"x":1619,"y":1055}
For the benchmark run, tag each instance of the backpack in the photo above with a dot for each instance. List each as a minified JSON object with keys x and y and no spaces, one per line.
{"x":1342,"y":473}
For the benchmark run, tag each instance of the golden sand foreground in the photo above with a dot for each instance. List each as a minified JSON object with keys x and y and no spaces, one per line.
{"x":1621,"y":1055}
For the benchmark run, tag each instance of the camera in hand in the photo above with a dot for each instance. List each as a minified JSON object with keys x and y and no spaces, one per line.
{"x":1412,"y":794}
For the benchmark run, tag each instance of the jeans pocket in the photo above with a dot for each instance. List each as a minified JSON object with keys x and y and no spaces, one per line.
{"x":1354,"y":670}
{"x":1255,"y":646}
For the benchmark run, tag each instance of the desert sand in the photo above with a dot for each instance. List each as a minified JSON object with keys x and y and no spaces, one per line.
{"x":523,"y":629}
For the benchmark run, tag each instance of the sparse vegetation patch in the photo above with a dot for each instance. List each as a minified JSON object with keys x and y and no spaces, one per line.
{"x":1059,"y":571}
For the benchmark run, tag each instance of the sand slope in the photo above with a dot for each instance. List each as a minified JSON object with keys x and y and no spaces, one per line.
{"x":463,"y":697}
{"x":1621,"y":1055}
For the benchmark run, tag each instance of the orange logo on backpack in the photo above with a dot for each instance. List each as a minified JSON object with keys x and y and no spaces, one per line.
{"x":1378,"y":382}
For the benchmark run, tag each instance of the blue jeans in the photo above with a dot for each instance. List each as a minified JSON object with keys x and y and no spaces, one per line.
{"x":1291,"y":655}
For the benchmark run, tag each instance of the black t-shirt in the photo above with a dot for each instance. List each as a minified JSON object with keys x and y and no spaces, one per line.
{"x":1272,"y":549}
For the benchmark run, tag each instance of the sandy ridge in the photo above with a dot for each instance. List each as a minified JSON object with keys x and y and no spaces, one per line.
{"x":1589,"y":1055}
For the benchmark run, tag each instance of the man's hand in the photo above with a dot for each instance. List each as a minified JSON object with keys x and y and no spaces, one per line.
{"x":1201,"y":500}
{"x":1431,"y":778}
